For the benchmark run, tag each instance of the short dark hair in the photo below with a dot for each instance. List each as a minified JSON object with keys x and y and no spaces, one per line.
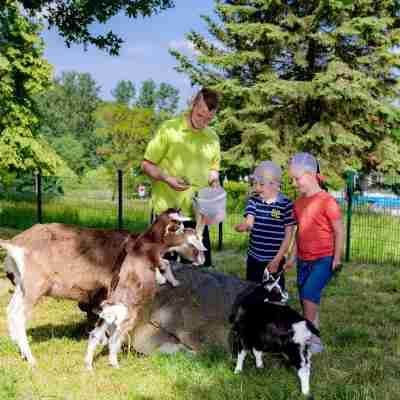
{"x":210,"y":97}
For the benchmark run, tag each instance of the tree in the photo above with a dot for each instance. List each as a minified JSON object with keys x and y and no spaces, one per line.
{"x":126,"y":132}
{"x":163,"y":100}
{"x":147,"y":95}
{"x":68,"y":111}
{"x":303,"y":75}
{"x":23,"y":74}
{"x":124,"y":92}
{"x":73,"y":18}
{"x":167,"y":98}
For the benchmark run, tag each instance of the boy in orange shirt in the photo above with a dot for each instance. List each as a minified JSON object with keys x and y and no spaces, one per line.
{"x":319,"y":240}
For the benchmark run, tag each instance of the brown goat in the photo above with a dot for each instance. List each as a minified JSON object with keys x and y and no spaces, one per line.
{"x":69,"y":262}
{"x":135,"y":289}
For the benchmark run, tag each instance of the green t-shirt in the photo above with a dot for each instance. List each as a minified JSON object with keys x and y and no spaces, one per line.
{"x":179,"y":151}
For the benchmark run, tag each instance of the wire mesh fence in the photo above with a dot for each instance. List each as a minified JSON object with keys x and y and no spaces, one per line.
{"x":370,"y":206}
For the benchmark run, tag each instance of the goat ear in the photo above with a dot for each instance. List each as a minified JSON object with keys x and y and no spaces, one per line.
{"x":178,"y":217}
{"x":197,"y":243}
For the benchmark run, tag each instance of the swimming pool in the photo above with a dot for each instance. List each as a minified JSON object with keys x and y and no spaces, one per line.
{"x":378,"y":201}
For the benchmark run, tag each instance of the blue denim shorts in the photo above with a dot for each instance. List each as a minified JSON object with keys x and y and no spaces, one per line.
{"x":313,"y":276}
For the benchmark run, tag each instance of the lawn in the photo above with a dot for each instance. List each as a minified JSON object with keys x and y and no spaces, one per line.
{"x":360,"y":323}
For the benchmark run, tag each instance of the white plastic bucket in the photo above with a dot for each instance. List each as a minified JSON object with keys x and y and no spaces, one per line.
{"x":211,"y":203}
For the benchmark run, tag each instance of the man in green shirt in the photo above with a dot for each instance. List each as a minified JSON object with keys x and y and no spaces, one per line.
{"x":183,"y":157}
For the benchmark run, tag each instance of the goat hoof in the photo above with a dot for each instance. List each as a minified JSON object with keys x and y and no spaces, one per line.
{"x":114,"y":364}
{"x":31,"y":360}
{"x":237,"y":371}
{"x":260,"y":366}
{"x":175,"y":283}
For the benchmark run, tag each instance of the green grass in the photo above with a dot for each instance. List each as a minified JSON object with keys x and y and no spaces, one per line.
{"x":374,"y":236}
{"x":359,"y":318}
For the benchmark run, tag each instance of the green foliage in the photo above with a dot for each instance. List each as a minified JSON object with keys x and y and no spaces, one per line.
{"x":74,"y":18}
{"x":125,"y":132}
{"x":237,"y":193}
{"x":303,"y":76}
{"x":23,"y":74}
{"x":124,"y":92}
{"x":67,"y":112}
{"x":163,"y":100}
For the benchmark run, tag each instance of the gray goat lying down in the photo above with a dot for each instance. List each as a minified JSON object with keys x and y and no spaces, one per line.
{"x":134,"y":289}
{"x":71,"y":262}
{"x":262,"y":323}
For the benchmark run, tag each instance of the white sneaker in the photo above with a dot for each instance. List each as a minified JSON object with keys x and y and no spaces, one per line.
{"x":316,"y":345}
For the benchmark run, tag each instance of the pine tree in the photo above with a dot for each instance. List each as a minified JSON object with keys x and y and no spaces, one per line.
{"x":310,"y":75}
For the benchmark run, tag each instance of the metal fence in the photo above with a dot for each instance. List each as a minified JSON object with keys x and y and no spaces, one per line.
{"x":370,"y":206}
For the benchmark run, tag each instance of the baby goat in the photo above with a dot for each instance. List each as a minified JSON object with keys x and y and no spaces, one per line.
{"x":262,"y":323}
{"x":134,"y":289}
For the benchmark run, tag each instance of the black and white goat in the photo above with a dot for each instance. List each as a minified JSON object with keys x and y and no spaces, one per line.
{"x":262,"y":322}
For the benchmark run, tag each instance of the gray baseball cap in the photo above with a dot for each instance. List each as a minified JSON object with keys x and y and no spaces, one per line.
{"x":305,"y":162}
{"x":266,"y":172}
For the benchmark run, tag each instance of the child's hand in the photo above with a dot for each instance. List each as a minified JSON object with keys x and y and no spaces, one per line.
{"x":336,"y":264}
{"x":289,"y":264}
{"x":273,"y":266}
{"x":241,"y":227}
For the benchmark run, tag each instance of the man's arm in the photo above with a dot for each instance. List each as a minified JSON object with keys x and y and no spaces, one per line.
{"x":153,"y":171}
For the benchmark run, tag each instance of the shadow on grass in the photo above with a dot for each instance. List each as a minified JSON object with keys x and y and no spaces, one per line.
{"x":74,"y":330}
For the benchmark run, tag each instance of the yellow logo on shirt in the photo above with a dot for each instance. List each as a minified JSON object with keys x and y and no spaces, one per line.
{"x":276,"y":213}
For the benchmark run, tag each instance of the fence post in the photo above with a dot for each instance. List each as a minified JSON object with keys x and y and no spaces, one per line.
{"x":349,"y":192}
{"x":39,"y":197}
{"x":220,"y":225}
{"x":220,"y":236}
{"x":120,"y":204}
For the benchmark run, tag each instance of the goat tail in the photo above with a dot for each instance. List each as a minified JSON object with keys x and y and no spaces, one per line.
{"x":14,"y":262}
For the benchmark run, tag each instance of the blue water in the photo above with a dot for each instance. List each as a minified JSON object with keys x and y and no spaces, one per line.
{"x":386,"y":202}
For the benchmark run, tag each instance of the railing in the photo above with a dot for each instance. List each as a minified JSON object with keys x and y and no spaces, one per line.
{"x":371,"y":212}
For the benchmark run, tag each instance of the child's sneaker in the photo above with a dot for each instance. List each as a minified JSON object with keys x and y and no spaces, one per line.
{"x":316,"y":345}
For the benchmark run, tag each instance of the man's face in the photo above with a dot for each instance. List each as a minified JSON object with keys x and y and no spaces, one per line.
{"x":201,"y":116}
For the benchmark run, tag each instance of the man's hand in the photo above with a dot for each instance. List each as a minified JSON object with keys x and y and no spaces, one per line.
{"x":241,"y":227}
{"x":213,"y":179}
{"x":176,"y":183}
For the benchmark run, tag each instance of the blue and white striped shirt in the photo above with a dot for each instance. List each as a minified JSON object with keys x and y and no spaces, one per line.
{"x":270,"y":221}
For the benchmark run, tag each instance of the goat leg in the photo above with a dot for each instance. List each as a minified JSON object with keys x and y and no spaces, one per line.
{"x":97,"y":336}
{"x":258,"y":355}
{"x":166,"y":266}
{"x":114,"y":345}
{"x":240,"y":360}
{"x":160,"y":278}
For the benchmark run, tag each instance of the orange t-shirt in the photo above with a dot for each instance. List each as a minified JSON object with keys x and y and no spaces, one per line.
{"x":314,"y":216}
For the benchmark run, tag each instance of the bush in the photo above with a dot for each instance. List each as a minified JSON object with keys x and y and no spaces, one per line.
{"x":237,"y":193}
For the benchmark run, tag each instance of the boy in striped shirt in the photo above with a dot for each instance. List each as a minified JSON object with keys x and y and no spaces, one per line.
{"x":269,"y":219}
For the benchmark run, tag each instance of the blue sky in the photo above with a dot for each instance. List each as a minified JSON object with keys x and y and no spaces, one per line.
{"x":144,"y":53}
